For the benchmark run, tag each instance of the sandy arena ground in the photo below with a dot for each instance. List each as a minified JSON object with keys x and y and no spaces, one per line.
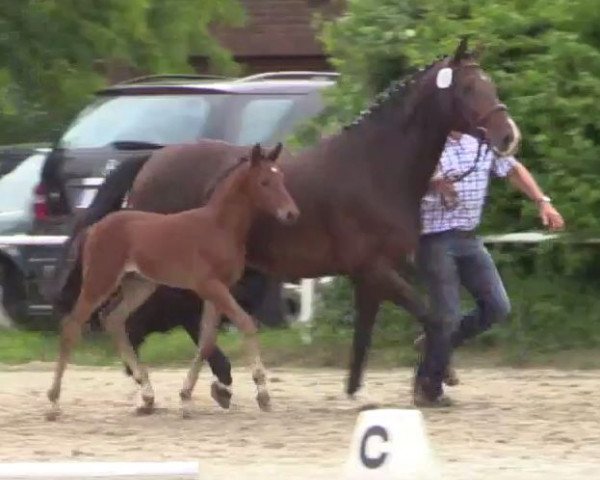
{"x":507,"y":424}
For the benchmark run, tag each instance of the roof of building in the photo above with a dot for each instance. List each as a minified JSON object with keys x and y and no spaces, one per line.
{"x":278,"y":28}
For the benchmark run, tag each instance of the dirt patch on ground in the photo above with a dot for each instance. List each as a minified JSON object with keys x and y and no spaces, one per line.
{"x":507,"y":424}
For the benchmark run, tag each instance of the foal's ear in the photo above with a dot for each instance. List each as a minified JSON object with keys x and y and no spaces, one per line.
{"x":256,"y":154}
{"x":274,"y":154}
{"x":461,"y":50}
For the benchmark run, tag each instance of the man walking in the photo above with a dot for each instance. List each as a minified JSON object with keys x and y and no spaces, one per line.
{"x":451,"y":254}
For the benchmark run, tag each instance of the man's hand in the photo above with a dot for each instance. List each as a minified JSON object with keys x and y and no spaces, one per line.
{"x":445,"y":187}
{"x":550,"y":217}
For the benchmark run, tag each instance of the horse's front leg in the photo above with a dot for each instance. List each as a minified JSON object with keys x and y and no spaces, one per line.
{"x":367,"y":303}
{"x":381,"y":282}
{"x":434,"y":361}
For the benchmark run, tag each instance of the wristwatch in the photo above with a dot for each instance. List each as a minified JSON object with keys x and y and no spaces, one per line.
{"x":543,"y":199}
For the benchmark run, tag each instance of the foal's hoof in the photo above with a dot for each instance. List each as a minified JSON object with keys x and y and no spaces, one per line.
{"x":186,"y":409}
{"x":221,"y":394}
{"x":147,"y":406}
{"x":264,"y":401}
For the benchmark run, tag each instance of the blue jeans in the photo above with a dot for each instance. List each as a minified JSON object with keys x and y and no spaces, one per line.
{"x":450,"y":259}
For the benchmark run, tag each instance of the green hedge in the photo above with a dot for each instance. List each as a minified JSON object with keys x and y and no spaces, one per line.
{"x":552,"y":310}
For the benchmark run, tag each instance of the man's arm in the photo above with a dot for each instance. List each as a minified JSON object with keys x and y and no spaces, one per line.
{"x":523,"y":181}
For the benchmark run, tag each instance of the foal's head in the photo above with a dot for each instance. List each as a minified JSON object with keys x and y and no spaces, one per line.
{"x":477,"y":109}
{"x":265,"y":186}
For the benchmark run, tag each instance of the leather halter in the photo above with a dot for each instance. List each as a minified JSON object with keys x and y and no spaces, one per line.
{"x":480,"y":131}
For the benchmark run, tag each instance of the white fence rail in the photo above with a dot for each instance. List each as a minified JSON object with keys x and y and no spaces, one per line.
{"x":307,"y":286}
{"x":306,"y":289}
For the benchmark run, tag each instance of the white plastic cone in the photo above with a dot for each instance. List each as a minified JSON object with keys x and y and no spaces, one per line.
{"x":391,"y":444}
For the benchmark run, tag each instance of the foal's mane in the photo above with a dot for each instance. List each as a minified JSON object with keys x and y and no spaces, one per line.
{"x":222,"y":177}
{"x":396,"y":93}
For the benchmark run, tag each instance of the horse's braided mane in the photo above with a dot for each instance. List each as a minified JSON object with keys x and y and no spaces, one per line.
{"x":397,"y":91}
{"x":222,"y":177}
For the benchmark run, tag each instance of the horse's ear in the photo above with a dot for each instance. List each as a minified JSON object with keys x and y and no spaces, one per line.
{"x":256,"y":155}
{"x":461,"y":50}
{"x":274,"y":154}
{"x":478,"y":51}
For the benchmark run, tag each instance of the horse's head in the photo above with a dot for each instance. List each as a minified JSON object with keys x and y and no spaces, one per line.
{"x":266,"y":188}
{"x":475,"y":104}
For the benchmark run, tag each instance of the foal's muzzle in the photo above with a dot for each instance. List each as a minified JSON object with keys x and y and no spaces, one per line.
{"x":288,"y":216}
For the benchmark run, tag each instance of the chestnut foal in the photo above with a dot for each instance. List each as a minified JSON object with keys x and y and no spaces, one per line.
{"x":203,"y":249}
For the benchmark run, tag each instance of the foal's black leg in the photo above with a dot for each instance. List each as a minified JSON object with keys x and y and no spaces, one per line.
{"x":218,"y":361}
{"x":136,"y":339}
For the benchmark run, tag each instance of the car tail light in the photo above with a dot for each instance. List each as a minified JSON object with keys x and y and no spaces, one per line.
{"x":40,"y":202}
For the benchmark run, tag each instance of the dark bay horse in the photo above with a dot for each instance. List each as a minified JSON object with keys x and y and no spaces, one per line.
{"x":202,"y":249}
{"x":359,"y":192}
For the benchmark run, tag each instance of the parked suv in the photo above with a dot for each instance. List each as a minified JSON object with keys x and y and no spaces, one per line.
{"x":131,"y":117}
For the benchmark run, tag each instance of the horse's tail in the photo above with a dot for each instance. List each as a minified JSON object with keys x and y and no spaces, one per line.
{"x":66,"y":284}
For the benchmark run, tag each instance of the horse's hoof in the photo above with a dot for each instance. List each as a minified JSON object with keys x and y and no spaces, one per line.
{"x":352,"y":387}
{"x":450,"y":376}
{"x":368,"y":406}
{"x":443,"y":401}
{"x":52,"y":395}
{"x":264,"y":401}
{"x":423,"y":400}
{"x":221,"y":394}
{"x":148,"y":401}
{"x":53,"y":413}
{"x":144,"y":410}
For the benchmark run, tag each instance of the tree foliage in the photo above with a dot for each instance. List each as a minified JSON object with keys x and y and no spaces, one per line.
{"x":51,"y":52}
{"x":544,"y":55}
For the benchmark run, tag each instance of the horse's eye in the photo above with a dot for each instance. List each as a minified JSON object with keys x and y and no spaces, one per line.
{"x":264,"y":183}
{"x":468,"y":89}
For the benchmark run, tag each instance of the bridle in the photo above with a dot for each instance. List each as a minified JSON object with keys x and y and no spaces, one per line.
{"x":479,"y":131}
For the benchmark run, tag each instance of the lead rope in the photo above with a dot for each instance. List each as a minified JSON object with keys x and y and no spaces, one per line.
{"x":462,"y":176}
{"x":465,"y":174}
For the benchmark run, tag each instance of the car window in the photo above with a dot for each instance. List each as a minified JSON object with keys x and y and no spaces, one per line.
{"x":16,"y":187}
{"x":260,"y":117}
{"x":162,"y":119}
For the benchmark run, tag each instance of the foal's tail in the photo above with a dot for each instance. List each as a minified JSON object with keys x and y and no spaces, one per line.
{"x":67,"y":281}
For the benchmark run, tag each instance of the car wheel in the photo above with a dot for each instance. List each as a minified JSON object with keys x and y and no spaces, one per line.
{"x":12,"y":301}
